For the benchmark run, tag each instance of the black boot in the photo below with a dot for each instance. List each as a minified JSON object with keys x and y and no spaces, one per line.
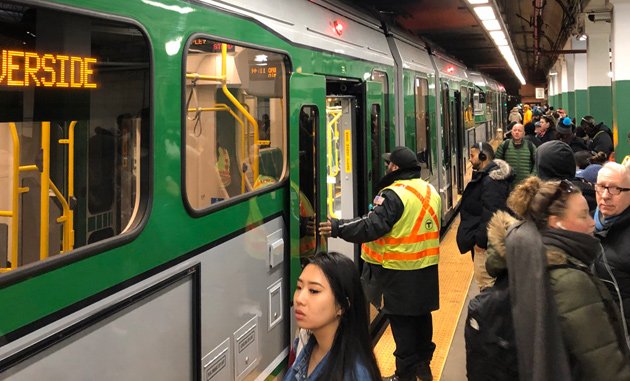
{"x":424,"y":371}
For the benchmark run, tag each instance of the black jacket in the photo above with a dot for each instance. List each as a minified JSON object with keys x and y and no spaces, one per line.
{"x":578,"y":144}
{"x":485,"y":194}
{"x":409,"y":293}
{"x":602,"y":140}
{"x":616,"y":242}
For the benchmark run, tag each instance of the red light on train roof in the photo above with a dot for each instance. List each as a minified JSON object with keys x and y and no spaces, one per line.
{"x":450,"y":69}
{"x":338,"y":27}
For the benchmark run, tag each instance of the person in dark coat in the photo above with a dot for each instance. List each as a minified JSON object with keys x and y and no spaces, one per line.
{"x":599,"y":134}
{"x":555,"y":160}
{"x":547,"y":129}
{"x":566,"y":133}
{"x":530,"y":134}
{"x":486,"y":193}
{"x":400,"y":239}
{"x":612,"y":226}
{"x":566,"y":324}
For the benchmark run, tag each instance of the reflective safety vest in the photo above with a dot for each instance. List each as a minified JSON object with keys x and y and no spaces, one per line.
{"x":414,"y":241}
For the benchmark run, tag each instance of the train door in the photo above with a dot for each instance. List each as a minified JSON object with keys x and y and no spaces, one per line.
{"x":341,"y":180}
{"x":374,"y":116}
{"x":310,"y":110}
{"x":459,"y":141}
{"x":449,"y":159}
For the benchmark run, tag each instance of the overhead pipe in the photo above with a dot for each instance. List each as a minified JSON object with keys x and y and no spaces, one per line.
{"x":538,"y":23}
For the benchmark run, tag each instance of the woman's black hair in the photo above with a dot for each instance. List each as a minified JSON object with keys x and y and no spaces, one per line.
{"x":352,"y":343}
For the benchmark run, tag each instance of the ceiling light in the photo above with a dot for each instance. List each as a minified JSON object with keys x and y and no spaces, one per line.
{"x":260,"y":58}
{"x":497,"y":35}
{"x":485,"y":13}
{"x":491,"y":25}
{"x":475,"y":2}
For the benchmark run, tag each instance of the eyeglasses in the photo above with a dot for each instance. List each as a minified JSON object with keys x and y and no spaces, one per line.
{"x":612,"y":190}
{"x":565,"y":186}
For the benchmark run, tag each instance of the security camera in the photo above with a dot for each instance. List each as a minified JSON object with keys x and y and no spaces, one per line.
{"x":596,"y":17}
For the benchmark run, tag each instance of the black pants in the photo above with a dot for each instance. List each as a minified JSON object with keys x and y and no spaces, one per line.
{"x":413,"y":336}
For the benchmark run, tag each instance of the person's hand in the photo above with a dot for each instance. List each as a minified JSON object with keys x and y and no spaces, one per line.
{"x":325,"y":228}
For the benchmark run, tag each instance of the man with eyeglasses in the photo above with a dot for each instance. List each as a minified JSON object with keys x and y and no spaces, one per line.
{"x":612,"y":226}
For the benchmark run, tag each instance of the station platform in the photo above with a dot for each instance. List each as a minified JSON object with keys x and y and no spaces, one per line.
{"x":456,"y":289}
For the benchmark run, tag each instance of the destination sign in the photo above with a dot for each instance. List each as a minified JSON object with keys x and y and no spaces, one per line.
{"x":212,"y":46}
{"x":30,"y":69}
{"x":263,"y":72}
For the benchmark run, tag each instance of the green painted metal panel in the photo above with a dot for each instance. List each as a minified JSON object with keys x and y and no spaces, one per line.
{"x":581,"y":104}
{"x":621,"y":113}
{"x":600,"y":103}
{"x":570,"y":104}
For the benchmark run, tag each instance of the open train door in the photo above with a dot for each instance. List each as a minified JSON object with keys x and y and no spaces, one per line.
{"x":308,"y":186}
{"x":459,"y":141}
{"x":375,"y":138}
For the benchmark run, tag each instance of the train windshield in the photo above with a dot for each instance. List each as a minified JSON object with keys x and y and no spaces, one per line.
{"x":74,"y":131}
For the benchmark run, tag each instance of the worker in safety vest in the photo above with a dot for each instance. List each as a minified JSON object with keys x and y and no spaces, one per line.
{"x":401,"y":247}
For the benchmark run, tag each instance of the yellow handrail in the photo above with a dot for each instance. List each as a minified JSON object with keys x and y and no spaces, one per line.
{"x":44,"y":198}
{"x":223,"y":79}
{"x":70,"y":143}
{"x":224,"y":107}
{"x":65,"y":218}
{"x":332,"y":134}
{"x":239,"y":106}
{"x":68,"y":213}
{"x":15,"y":204}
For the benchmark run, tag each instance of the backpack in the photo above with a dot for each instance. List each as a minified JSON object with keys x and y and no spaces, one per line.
{"x":489,"y":334}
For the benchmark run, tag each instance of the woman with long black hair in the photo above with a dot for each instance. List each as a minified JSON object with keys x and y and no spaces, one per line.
{"x":330,"y":308}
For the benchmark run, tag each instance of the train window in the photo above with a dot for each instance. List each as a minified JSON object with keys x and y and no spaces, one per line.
{"x":235,"y":131}
{"x":422,"y":121}
{"x":378,"y":165}
{"x":381,"y":77}
{"x":309,"y":120}
{"x":74,"y":131}
{"x":467,"y":106}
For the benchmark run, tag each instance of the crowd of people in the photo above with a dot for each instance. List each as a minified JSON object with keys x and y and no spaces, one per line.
{"x":545,"y":215}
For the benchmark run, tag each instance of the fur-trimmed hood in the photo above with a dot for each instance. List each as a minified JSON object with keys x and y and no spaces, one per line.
{"x":502,"y":171}
{"x":497,"y":231}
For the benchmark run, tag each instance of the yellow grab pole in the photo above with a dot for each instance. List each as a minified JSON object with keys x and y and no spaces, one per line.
{"x":68,"y":231}
{"x":197,"y":76}
{"x":239,"y":106}
{"x":44,"y":201}
{"x":65,"y":218}
{"x":15,"y":197}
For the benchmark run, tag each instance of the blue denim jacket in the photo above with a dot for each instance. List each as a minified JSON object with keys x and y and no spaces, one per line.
{"x":299,"y":370}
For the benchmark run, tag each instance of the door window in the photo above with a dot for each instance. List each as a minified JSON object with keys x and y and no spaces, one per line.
{"x":235,"y":113}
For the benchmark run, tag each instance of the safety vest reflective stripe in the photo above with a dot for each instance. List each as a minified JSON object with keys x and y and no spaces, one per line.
{"x":425,"y":207}
{"x":405,"y":240}
{"x":378,"y":257}
{"x":413,"y":236}
{"x":414,"y":241}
